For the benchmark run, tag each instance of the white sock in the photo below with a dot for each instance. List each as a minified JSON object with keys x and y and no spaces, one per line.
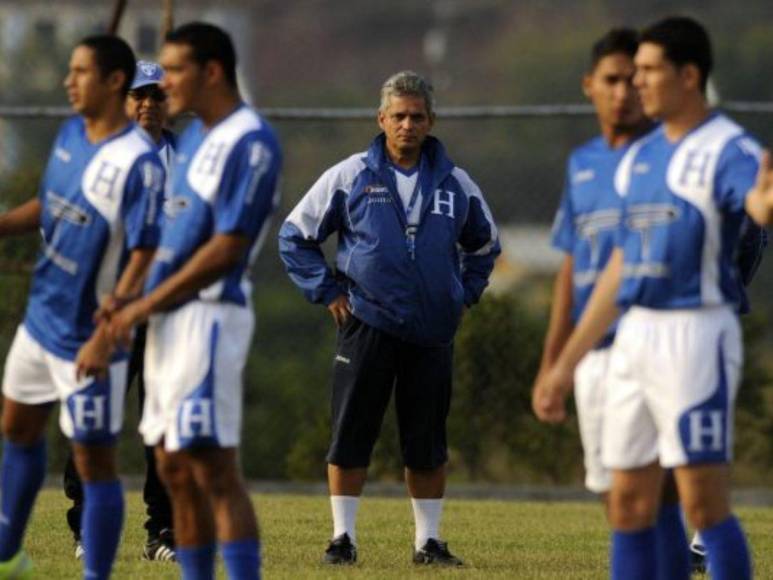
{"x":697,"y":540}
{"x":345,"y":515}
{"x":426,"y":513}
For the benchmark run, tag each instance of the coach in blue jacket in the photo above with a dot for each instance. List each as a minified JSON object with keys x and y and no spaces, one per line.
{"x":416,"y":245}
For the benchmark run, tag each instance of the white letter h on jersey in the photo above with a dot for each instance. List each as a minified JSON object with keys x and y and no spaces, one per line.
{"x":696,"y":163}
{"x":700,"y":430}
{"x":107,"y":175}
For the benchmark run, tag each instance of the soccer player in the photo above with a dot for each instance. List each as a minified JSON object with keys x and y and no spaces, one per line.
{"x":585,"y":228}
{"x":97,"y":212}
{"x":198,"y":301}
{"x":416,"y":245}
{"x":675,"y":364}
{"x":146,"y":105}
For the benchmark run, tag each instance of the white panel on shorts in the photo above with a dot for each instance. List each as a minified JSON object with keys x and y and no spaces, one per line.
{"x":180,"y":360}
{"x":673,"y":380}
{"x":34,"y":376}
{"x":590,"y":384}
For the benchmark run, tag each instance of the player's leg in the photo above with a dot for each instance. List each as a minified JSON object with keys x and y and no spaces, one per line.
{"x":22,"y":473}
{"x":28,"y":396}
{"x":422,"y":401}
{"x":194,"y":362}
{"x":633,"y":507}
{"x":705,"y":493}
{"x":363,"y":377}
{"x":671,"y":536}
{"x":192,"y":514}
{"x":218,"y":476}
{"x":630,"y":450}
{"x":103,"y":506}
{"x":91,"y":416}
{"x":696,"y":422}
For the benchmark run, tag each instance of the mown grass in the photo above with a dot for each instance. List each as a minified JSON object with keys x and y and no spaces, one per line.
{"x":497,"y":540}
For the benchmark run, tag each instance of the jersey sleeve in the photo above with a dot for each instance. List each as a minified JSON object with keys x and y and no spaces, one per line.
{"x":563,"y":235}
{"x":736,"y":173}
{"x":142,"y":202}
{"x":249,"y":188}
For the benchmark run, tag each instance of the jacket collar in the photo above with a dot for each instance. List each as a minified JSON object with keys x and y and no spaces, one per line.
{"x":432,"y":151}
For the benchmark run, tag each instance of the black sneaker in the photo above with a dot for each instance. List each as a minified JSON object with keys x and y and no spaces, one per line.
{"x":436,"y":552}
{"x":697,"y":559}
{"x":341,"y":551}
{"x":160,"y":547}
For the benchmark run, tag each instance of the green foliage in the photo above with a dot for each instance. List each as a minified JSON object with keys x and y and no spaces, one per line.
{"x":492,"y":426}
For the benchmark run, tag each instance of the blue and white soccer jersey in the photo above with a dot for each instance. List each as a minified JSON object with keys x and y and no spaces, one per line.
{"x":225,"y":182}
{"x":98,"y":203}
{"x":676,"y":362}
{"x":585,"y":228}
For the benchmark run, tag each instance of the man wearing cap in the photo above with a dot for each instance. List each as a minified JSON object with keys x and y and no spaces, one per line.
{"x":146,"y":106}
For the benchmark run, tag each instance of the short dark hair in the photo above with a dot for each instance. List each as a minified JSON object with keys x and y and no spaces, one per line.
{"x":684,"y":41}
{"x":111,"y":54}
{"x":209,"y":42}
{"x":616,"y":41}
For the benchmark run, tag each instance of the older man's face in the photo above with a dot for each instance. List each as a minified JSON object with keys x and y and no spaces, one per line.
{"x":147,"y":106}
{"x":405,"y":122}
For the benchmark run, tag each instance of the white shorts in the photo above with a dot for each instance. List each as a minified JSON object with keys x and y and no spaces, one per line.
{"x":590,"y":384}
{"x":194,"y":358}
{"x":91,"y":410}
{"x":673,"y":380}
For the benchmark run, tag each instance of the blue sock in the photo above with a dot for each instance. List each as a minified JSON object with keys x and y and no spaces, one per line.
{"x":727,"y":551}
{"x":671,"y":544}
{"x":197,"y":563}
{"x":242,"y":559}
{"x":634,"y":556}
{"x":101,"y":528}
{"x":21,"y":476}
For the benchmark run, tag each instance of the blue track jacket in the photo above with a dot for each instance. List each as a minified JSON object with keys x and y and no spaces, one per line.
{"x":410,"y":286}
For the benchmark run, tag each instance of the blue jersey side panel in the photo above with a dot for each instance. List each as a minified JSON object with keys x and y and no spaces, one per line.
{"x":683,"y":211}
{"x":225,"y":181}
{"x":98,"y":202}
{"x":588,"y":218}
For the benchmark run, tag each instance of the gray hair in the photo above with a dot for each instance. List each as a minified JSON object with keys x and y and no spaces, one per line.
{"x":407,"y":83}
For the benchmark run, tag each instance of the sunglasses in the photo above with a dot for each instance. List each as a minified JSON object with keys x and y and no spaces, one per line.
{"x":151,"y":91}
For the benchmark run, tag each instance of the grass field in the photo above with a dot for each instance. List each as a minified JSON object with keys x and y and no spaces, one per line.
{"x":496,"y":539}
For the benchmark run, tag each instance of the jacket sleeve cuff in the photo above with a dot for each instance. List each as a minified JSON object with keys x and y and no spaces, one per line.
{"x":331,"y":294}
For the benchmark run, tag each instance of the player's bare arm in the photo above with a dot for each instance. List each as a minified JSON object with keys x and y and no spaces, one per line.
{"x":560,"y":325}
{"x":759,"y":202}
{"x":21,"y":219}
{"x":129,"y":286}
{"x":94,"y":356}
{"x":210,"y":262}
{"x":553,"y":387}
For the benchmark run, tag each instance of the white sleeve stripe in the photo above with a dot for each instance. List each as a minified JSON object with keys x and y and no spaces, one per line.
{"x":471,"y":189}
{"x":307,"y":216}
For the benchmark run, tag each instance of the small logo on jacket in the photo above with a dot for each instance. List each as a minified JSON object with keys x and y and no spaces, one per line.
{"x":583,"y":176}
{"x":343,"y":359}
{"x":371,"y":189}
{"x":62,"y":154}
